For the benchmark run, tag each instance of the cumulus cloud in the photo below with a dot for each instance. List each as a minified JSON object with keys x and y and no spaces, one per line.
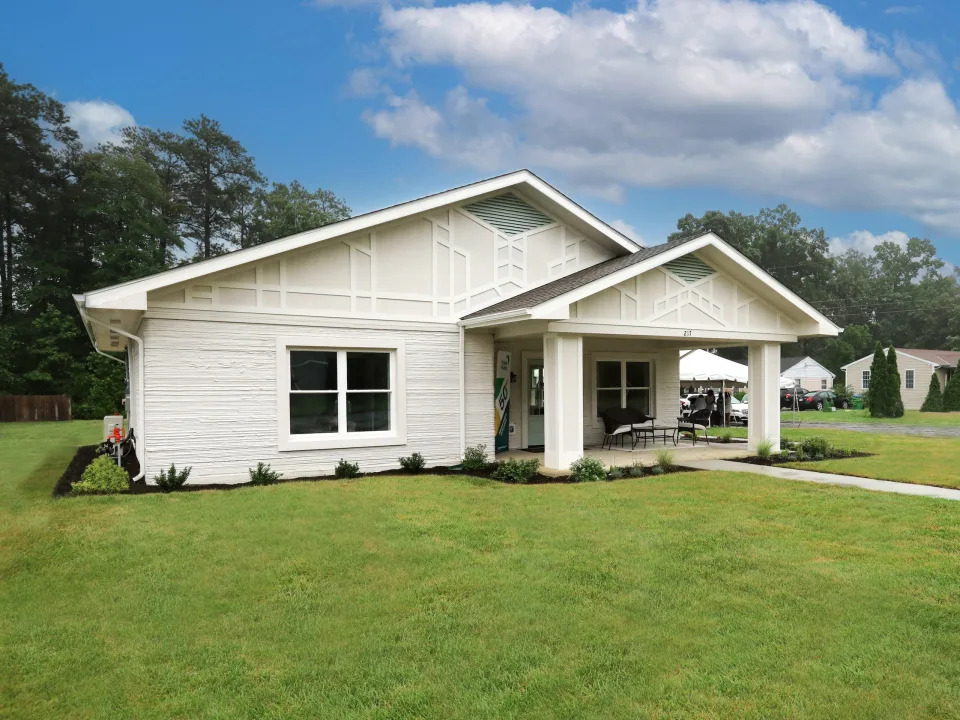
{"x":98,"y":121}
{"x":629,"y":230}
{"x":772,"y":97}
{"x":865,"y":241}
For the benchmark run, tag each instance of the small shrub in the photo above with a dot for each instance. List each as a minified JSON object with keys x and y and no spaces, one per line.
{"x":475,"y":458}
{"x":725,"y":436}
{"x":635,"y":470}
{"x":346,"y":469}
{"x":516,"y":471}
{"x":588,"y":469}
{"x":785,"y":444}
{"x":263,"y":475}
{"x":657,"y":470}
{"x":102,"y":476}
{"x":172,"y":479}
{"x":799,"y":452}
{"x":665,"y":460}
{"x":764,"y":449}
{"x":413,"y":463}
{"x":814,"y":446}
{"x":615,"y":473}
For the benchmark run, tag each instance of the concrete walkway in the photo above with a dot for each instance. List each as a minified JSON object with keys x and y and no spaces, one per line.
{"x":786,"y":473}
{"x":876,"y":428}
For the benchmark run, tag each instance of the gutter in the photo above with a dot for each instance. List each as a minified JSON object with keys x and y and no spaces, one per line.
{"x":87,"y":320}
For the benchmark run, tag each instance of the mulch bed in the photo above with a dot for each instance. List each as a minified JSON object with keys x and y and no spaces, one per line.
{"x":754,"y":460}
{"x":86,"y":454}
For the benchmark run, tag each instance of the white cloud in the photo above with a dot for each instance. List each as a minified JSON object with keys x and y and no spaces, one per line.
{"x":866,"y":242}
{"x":765,"y":97}
{"x":902,"y":9}
{"x":627,"y":229}
{"x":98,"y":121}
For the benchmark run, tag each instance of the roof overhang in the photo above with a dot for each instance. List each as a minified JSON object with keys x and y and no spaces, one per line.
{"x":133,"y":295}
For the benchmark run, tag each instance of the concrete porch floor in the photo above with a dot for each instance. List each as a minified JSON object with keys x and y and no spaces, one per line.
{"x":682,"y":452}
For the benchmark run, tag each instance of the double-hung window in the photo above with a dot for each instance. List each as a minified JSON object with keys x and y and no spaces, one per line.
{"x":865,"y":379}
{"x":340,"y":397}
{"x":623,"y":384}
{"x":908,"y":379}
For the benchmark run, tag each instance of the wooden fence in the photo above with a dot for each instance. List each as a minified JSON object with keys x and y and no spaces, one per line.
{"x":27,"y":408}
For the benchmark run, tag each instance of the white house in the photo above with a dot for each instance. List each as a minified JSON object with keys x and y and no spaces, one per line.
{"x":916,"y":366}
{"x":805,"y":372}
{"x":377,"y":336}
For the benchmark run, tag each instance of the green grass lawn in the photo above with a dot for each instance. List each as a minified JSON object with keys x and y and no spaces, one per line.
{"x":905,"y":458}
{"x":686,"y":596}
{"x":910,"y":417}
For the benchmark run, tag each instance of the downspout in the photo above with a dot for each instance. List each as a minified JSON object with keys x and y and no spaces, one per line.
{"x":140,"y":393}
{"x":463,"y":404}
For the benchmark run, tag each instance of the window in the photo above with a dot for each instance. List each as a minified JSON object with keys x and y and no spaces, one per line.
{"x":865,"y":379}
{"x":623,"y":384}
{"x":823,"y":384}
{"x":340,"y":397}
{"x":908,"y":379}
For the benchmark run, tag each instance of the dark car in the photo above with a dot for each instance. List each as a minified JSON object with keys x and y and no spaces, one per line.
{"x":823,"y":399}
{"x":786,"y":396}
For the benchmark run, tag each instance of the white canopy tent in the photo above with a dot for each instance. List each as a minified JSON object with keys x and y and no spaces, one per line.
{"x":699,"y":366}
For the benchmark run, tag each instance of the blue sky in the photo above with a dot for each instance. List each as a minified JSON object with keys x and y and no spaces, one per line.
{"x":846,"y":110}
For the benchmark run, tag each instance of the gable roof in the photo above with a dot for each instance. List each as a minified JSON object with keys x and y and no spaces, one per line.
{"x":573,"y":287}
{"x":788,"y":362}
{"x":132,"y":294}
{"x":937,"y":358}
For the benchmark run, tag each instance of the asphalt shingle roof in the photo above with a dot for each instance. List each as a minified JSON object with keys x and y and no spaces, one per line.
{"x":561,"y":286}
{"x":950,"y":358}
{"x":788,"y":362}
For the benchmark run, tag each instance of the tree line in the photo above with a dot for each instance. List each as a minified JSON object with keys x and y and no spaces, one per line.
{"x":75,"y":218}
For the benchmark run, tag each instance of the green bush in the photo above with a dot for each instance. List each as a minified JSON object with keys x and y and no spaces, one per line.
{"x":171,"y":479}
{"x":475,"y":458}
{"x":263,"y":475}
{"x":102,"y":476}
{"x":665,"y":460}
{"x":765,"y":449}
{"x":516,"y":471}
{"x":635,"y":470}
{"x":725,"y":436}
{"x":346,"y":469}
{"x":951,"y":394}
{"x":815,"y":446}
{"x":588,"y":469}
{"x":934,"y":399}
{"x":616,"y":473}
{"x":894,"y":384}
{"x":413,"y":463}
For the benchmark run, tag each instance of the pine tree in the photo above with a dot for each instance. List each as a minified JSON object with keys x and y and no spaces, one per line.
{"x":951,"y":394}
{"x":894,"y":384}
{"x":934,"y":399}
{"x":878,"y":395}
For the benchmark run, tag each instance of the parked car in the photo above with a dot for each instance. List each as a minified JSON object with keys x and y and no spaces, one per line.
{"x":786,"y":396}
{"x":823,"y":399}
{"x":738,"y":410}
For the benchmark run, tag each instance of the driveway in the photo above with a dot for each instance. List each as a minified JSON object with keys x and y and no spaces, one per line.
{"x":879,"y":428}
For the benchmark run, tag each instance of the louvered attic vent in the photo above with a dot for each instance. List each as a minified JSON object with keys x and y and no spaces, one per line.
{"x":689,"y":268}
{"x":508,"y":214}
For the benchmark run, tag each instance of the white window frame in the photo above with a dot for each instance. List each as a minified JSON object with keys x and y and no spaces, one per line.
{"x":865,"y":379}
{"x":396,"y":435}
{"x":909,"y":379}
{"x":622,"y":358}
{"x":823,"y":384}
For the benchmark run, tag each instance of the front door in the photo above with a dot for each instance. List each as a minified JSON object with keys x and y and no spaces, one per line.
{"x":534,"y":402}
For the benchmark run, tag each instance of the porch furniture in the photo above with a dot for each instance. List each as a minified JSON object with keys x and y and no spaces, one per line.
{"x":618,"y":422}
{"x":654,"y":431}
{"x":693,"y":423}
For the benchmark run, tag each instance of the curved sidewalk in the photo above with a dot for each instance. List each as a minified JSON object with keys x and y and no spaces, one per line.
{"x":786,"y":473}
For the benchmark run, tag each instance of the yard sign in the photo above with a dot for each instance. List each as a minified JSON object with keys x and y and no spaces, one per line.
{"x":501,"y":400}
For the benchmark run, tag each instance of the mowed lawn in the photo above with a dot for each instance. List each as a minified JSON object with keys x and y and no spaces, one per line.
{"x":910,"y":417}
{"x":687,"y":596}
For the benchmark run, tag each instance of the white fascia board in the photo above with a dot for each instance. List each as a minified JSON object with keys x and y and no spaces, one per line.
{"x":110,"y":296}
{"x":501,"y":318}
{"x":854,"y":362}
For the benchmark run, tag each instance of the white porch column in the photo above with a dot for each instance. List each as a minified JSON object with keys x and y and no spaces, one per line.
{"x":763,"y":376}
{"x":562,"y":400}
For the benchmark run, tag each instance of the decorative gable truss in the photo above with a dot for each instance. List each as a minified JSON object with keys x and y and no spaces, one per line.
{"x":685,"y":292}
{"x":442,"y":264}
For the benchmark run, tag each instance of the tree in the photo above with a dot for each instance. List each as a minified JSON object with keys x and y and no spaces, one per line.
{"x":218,"y":176}
{"x":878,"y":395}
{"x":951,"y":393}
{"x":895,"y":400}
{"x":934,"y":400}
{"x":290,"y":209}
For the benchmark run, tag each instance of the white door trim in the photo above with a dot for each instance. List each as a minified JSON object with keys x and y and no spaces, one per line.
{"x":526,"y":356}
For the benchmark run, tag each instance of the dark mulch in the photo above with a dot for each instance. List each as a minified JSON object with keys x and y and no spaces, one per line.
{"x":86,"y":454}
{"x":754,"y":460}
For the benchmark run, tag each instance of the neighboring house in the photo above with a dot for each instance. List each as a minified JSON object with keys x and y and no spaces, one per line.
{"x":376,"y":336}
{"x":806,"y":372}
{"x":916,"y":366}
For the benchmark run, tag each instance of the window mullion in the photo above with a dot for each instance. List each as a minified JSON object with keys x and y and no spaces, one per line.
{"x":341,"y":392}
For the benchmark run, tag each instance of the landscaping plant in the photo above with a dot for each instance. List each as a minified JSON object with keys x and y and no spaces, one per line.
{"x":951,"y":393}
{"x":413,"y":463}
{"x":765,"y":449}
{"x":475,"y":458}
{"x":263,"y":475}
{"x":878,"y":396}
{"x":516,"y":471}
{"x":934,"y":400}
{"x":817,"y":447}
{"x":172,"y":479}
{"x":346,"y":469}
{"x":588,"y":469}
{"x":102,"y":476}
{"x":665,"y":460}
{"x":893,"y":384}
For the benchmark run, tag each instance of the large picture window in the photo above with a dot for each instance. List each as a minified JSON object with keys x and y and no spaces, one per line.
{"x":333,"y":397}
{"x":623,"y":384}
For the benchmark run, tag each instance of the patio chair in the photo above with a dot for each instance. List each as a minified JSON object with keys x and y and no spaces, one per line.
{"x":618,"y":422}
{"x":700,"y":420}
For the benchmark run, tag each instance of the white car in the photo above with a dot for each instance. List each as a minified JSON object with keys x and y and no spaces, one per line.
{"x":739,"y":410}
